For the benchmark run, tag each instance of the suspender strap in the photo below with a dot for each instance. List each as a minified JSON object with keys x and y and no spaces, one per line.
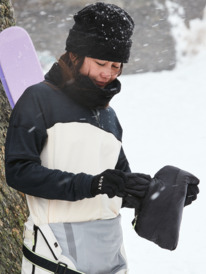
{"x":55,"y":267}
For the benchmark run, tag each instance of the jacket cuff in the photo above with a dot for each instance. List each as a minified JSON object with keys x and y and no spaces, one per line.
{"x":82,"y":185}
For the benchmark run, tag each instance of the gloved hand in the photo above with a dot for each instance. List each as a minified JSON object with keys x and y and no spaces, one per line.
{"x":117,"y":183}
{"x":110,"y":182}
{"x":191,"y":195}
{"x":132,"y":202}
{"x":137,"y":184}
{"x":136,"y":188}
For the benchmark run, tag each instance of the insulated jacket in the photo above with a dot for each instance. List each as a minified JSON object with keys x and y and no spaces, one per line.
{"x":160,"y":217}
{"x":53,"y":148}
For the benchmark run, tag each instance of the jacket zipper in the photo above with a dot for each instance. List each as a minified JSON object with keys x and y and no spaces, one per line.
{"x":34,"y":246}
{"x":96,"y":113}
{"x":135,"y":221}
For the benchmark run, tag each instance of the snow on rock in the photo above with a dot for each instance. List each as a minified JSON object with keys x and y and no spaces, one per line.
{"x":190,"y":40}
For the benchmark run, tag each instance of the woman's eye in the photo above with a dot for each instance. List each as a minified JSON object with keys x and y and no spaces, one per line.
{"x":100,"y":64}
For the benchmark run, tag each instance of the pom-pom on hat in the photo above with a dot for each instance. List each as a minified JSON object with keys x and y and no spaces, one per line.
{"x":102,"y":31}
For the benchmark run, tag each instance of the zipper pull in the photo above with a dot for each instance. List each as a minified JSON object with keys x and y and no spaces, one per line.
{"x":96,"y":113}
{"x":135,"y":221}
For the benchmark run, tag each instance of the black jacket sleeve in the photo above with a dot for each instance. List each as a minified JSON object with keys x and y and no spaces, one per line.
{"x":26,"y":137}
{"x":123,"y":163}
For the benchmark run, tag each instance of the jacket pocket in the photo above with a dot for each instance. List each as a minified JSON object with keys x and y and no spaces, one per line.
{"x":46,"y":242}
{"x":42,"y":242}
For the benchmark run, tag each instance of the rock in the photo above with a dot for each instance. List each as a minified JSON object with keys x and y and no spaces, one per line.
{"x":153,"y":46}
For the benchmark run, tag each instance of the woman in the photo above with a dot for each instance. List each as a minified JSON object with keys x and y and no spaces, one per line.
{"x":64,"y":151}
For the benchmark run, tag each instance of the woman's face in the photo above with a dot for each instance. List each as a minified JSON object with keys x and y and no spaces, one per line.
{"x":99,"y":71}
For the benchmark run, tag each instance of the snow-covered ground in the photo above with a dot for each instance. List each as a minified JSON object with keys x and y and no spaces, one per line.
{"x":164,"y":120}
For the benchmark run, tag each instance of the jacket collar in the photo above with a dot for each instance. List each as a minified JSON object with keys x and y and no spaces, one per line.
{"x":83,"y":91}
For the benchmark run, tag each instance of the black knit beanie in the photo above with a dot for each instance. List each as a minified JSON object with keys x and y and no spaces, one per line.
{"x":101,"y":31}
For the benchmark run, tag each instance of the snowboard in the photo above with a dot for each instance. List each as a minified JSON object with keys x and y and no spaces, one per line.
{"x":19,"y":63}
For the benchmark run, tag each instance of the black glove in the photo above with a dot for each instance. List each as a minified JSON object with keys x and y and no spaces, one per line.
{"x":110,"y":182}
{"x":137,"y":184}
{"x":136,"y":188}
{"x":191,"y":195}
{"x":132,"y":202}
{"x":117,"y":183}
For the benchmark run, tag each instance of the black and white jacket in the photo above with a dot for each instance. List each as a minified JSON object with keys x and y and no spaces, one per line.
{"x":53,"y":148}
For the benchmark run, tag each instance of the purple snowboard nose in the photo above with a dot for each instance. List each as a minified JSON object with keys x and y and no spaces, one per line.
{"x":19,"y":64}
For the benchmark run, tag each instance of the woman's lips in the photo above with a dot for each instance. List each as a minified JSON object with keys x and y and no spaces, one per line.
{"x":100,"y":84}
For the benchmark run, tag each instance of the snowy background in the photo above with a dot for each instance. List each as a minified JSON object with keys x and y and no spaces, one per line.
{"x":164,"y":120}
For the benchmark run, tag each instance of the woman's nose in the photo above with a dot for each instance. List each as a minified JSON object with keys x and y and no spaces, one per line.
{"x":107,"y":73}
